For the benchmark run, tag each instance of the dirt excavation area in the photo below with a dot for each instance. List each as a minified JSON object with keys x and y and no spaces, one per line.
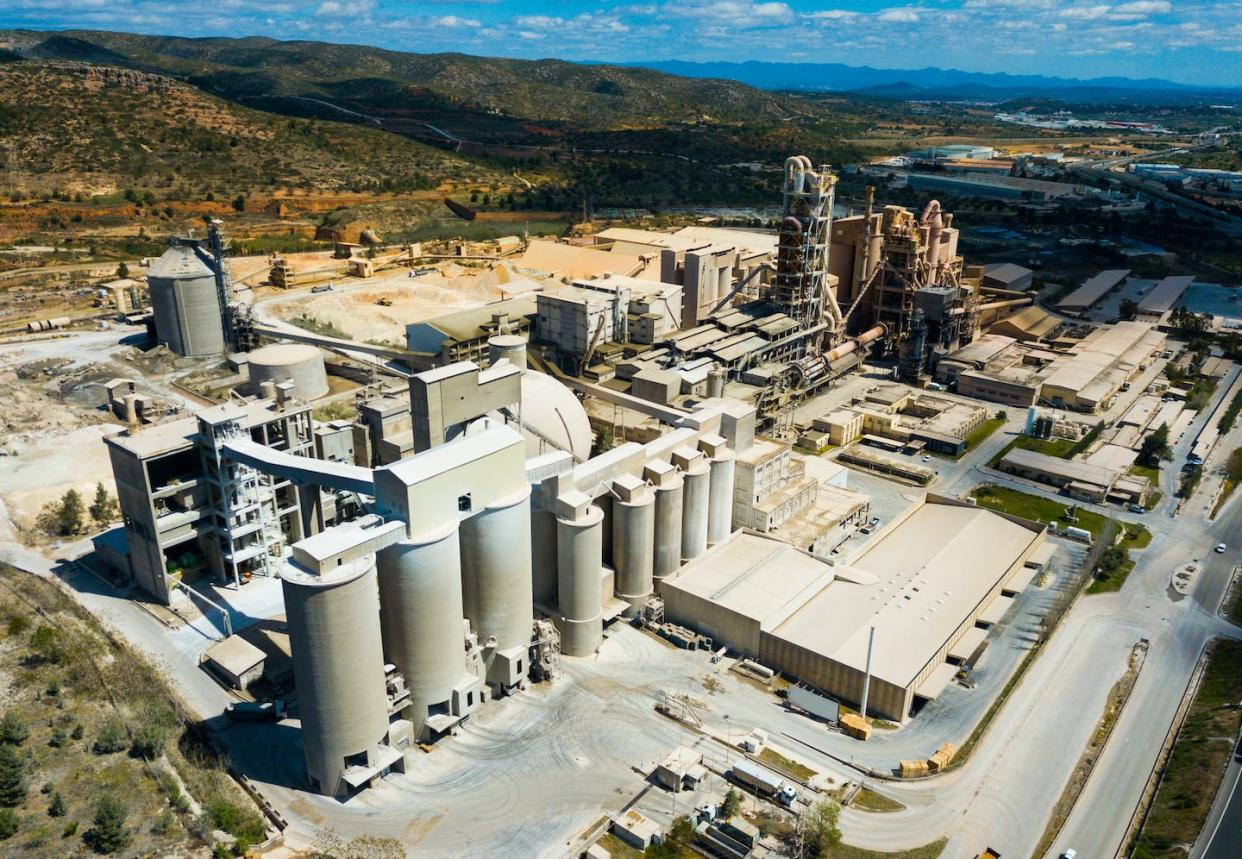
{"x":377,"y":310}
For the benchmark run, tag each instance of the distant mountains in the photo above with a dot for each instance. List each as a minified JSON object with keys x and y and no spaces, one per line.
{"x":937,"y":83}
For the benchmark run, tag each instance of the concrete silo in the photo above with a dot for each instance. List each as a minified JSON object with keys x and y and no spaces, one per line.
{"x":185,"y":301}
{"x":579,"y":537}
{"x":696,"y":474}
{"x":298,"y":363}
{"x":423,"y":634}
{"x":633,"y":540}
{"x":496,"y":585}
{"x":338,"y":661}
{"x":721,"y":462}
{"x":669,"y":489}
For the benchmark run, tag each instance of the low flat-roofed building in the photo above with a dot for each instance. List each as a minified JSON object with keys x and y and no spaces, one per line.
{"x":1085,"y":481}
{"x":1007,"y":275}
{"x":1093,"y":371}
{"x":235,"y":661}
{"x":1093,"y":289}
{"x":463,"y":334}
{"x":1160,"y":299}
{"x":566,"y":260}
{"x":922,"y":582}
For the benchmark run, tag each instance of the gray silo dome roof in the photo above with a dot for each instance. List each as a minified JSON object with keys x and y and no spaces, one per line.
{"x":180,"y":262}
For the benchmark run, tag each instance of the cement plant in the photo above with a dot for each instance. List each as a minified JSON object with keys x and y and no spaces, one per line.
{"x":655,"y":535}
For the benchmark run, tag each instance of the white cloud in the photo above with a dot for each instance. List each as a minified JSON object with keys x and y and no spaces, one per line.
{"x":899,"y":16}
{"x":832,"y":15}
{"x":453,"y":22}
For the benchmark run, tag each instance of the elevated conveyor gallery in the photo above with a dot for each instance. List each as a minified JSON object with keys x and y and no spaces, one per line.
{"x":302,"y":470}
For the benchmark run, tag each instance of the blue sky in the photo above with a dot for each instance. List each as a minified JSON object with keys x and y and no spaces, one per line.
{"x":1196,"y":41}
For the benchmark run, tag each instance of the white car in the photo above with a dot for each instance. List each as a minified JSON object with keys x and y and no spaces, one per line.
{"x":1220,"y":548}
{"x":1071,"y":853}
{"x":927,"y":457}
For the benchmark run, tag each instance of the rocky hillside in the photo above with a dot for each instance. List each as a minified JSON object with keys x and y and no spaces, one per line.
{"x":78,"y":126}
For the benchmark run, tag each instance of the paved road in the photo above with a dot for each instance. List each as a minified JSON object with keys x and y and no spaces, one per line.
{"x":1222,"y":834}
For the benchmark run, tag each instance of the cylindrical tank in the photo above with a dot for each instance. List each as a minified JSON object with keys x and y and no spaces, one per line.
{"x":695,"y":500}
{"x":185,"y":302}
{"x":299,"y":363}
{"x":511,"y":346}
{"x":420,"y":617}
{"x":578,"y":552}
{"x":720,"y":496}
{"x":338,"y":665}
{"x":633,"y":543}
{"x":495,"y":572}
{"x":669,"y":493}
{"x":715,"y":383}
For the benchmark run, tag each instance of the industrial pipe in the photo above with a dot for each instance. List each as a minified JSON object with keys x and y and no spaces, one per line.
{"x":850,"y":345}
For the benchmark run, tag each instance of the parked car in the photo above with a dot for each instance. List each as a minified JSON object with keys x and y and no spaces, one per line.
{"x":1137,"y":508}
{"x":1220,"y":548}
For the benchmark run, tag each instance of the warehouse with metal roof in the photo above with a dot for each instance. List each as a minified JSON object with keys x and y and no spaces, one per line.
{"x":924,"y":582}
{"x":1093,"y":289}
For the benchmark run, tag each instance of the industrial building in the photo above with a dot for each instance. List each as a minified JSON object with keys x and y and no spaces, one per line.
{"x":1083,"y":480}
{"x":1092,"y":290}
{"x":464,"y":334}
{"x":925,"y":583}
{"x":1008,"y":275}
{"x":917,"y":421}
{"x":1161,"y":296}
{"x":1082,"y":375}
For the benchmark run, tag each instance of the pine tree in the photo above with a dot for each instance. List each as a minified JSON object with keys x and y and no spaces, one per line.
{"x":103,"y":507}
{"x":57,"y":806}
{"x":109,"y":834}
{"x":13,"y":731}
{"x":72,"y":511}
{"x":12,"y":776}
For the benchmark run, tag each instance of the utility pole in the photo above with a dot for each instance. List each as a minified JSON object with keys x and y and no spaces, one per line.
{"x":862,"y":711}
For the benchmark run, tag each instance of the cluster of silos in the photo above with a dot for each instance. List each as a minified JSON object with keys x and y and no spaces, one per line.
{"x":657,"y":521}
{"x":421,"y":618}
{"x":297,"y":363}
{"x":185,"y":301}
{"x":338,"y":665}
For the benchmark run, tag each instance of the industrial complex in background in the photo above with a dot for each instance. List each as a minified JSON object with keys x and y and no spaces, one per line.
{"x":658,"y":429}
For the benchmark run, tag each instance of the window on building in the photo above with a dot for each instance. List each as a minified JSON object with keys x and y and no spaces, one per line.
{"x":463,"y":503}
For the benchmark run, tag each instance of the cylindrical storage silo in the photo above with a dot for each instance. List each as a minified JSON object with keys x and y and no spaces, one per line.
{"x":720,"y":495}
{"x":496,"y":576}
{"x":633,"y":540}
{"x":185,"y":302}
{"x":298,"y":363}
{"x":715,"y":383}
{"x":338,"y":666}
{"x":695,"y":499}
{"x":511,"y":346}
{"x":669,"y":489}
{"x":421,"y":618}
{"x":578,"y":551}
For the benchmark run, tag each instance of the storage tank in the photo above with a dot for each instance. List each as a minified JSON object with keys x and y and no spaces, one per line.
{"x":338,"y":666}
{"x":696,"y":475}
{"x":298,"y":363}
{"x":420,"y":618}
{"x":579,"y":551}
{"x":669,"y":489}
{"x":185,"y":302}
{"x":496,"y":583}
{"x":633,"y":540}
{"x":511,"y":346}
{"x":722,"y":462}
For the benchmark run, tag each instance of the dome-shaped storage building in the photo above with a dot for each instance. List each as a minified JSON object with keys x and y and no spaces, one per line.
{"x":185,"y":301}
{"x":552,"y":418}
{"x":298,"y":363}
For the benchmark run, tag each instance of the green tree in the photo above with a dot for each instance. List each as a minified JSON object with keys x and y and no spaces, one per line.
{"x":732,"y":804}
{"x":103,"y":507}
{"x":12,"y":776}
{"x":111,"y":739}
{"x":46,"y":644}
{"x":122,"y":270}
{"x":72,"y":513}
{"x":820,"y":831}
{"x":13,"y":730}
{"x":109,"y":834}
{"x":239,"y":203}
{"x":1128,"y":309}
{"x":1155,"y":447}
{"x":57,"y":806}
{"x":9,"y":823}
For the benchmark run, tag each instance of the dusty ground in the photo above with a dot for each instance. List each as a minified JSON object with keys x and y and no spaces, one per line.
{"x":355,"y":311}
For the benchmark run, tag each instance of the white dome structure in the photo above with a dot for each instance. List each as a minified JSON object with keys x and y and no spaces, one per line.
{"x":552,"y":418}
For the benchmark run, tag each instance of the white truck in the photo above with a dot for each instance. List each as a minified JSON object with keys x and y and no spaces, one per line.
{"x":764,"y":783}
